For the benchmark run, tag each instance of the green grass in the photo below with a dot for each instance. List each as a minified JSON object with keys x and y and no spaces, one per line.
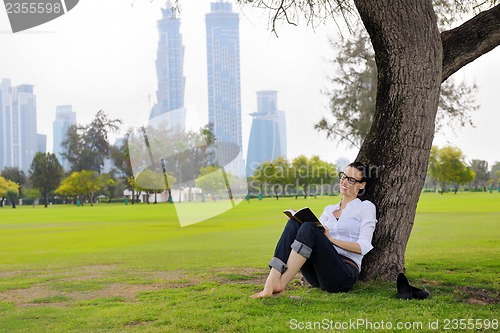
{"x":117,"y":268}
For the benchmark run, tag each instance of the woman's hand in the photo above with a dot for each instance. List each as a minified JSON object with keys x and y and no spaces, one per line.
{"x":348,"y":246}
{"x":326,"y":232}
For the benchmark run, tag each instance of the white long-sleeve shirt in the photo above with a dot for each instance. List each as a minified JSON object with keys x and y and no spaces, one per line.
{"x":356,"y":224}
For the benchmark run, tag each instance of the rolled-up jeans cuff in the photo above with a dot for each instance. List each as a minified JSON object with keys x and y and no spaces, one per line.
{"x":301,"y":249}
{"x":278,"y":265}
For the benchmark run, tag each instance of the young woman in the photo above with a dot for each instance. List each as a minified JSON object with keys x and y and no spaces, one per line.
{"x":329,"y":259}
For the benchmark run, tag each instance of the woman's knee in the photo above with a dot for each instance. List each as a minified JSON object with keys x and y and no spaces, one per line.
{"x":307,"y":229}
{"x":292,"y":226}
{"x":308,"y":226}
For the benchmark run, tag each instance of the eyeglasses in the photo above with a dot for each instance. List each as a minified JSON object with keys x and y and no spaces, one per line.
{"x":350,"y":180}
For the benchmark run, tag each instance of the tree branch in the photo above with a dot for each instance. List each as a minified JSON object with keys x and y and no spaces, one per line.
{"x":280,"y":10}
{"x":466,"y":43}
{"x":314,"y":12}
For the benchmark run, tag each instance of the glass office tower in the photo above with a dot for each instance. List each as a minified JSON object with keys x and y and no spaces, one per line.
{"x":224,"y":93}
{"x":170,"y":70}
{"x":65,"y":117}
{"x":18,"y":137}
{"x":268,"y":133}
{"x":5,"y":114}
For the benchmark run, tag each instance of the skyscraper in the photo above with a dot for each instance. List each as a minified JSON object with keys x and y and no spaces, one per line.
{"x":65,"y":117}
{"x":5,"y":114}
{"x":268,"y":133}
{"x":18,"y":144}
{"x":41,"y":143}
{"x":170,"y":69}
{"x":223,"y":62}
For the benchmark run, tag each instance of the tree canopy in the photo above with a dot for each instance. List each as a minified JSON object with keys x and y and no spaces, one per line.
{"x":16,"y":175}
{"x":87,"y":147}
{"x":447,"y":165}
{"x":481,"y":172}
{"x":45,"y":174}
{"x":8,"y":190}
{"x":354,"y":89}
{"x":81,"y":184}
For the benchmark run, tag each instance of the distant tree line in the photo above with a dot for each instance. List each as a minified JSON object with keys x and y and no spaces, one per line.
{"x":87,"y":149}
{"x":449,"y":170}
{"x":302,"y":176}
{"x":85,"y":181}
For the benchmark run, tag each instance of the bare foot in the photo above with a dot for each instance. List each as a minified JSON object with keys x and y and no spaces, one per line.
{"x":272,"y":286}
{"x":263,"y":294}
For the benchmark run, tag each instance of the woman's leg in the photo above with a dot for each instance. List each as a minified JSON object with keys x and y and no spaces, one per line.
{"x":284,"y":246}
{"x":309,"y":274}
{"x":278,"y":264}
{"x":325,"y":268}
{"x":294,"y":263}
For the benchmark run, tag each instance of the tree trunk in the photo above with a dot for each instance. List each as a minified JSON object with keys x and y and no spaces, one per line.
{"x":408,"y":53}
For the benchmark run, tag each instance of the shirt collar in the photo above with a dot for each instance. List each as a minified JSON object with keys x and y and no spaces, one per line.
{"x":350,"y":203}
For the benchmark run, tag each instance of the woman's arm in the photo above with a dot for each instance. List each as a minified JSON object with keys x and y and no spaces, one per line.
{"x":348,"y":246}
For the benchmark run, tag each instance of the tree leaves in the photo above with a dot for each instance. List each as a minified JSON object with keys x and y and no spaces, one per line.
{"x":87,"y":147}
{"x":45,"y":173}
{"x":354,"y":89}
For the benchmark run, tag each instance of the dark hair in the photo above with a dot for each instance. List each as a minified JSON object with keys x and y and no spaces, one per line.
{"x":370,"y":173}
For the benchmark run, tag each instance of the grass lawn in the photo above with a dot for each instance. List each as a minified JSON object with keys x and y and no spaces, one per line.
{"x":117,"y":268}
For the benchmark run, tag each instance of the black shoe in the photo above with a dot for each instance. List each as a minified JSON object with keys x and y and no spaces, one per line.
{"x":406,"y":291}
{"x":418,"y":293}
{"x":404,"y":288}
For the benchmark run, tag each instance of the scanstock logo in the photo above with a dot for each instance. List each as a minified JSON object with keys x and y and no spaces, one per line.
{"x":25,"y":14}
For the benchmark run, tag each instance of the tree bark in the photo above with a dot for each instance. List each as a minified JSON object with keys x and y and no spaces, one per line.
{"x":471,"y":40}
{"x":408,"y":53}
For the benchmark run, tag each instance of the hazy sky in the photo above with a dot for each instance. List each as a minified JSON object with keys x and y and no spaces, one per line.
{"x":101,"y":55}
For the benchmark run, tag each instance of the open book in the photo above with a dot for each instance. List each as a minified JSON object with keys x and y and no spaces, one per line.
{"x":303,"y":215}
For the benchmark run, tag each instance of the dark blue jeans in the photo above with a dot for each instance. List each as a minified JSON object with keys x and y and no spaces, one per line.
{"x":324,"y":268}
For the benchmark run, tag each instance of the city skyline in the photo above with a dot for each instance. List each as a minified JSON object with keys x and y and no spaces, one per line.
{"x":85,"y":68}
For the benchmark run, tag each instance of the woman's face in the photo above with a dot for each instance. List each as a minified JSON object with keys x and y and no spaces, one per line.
{"x":350,"y":183}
